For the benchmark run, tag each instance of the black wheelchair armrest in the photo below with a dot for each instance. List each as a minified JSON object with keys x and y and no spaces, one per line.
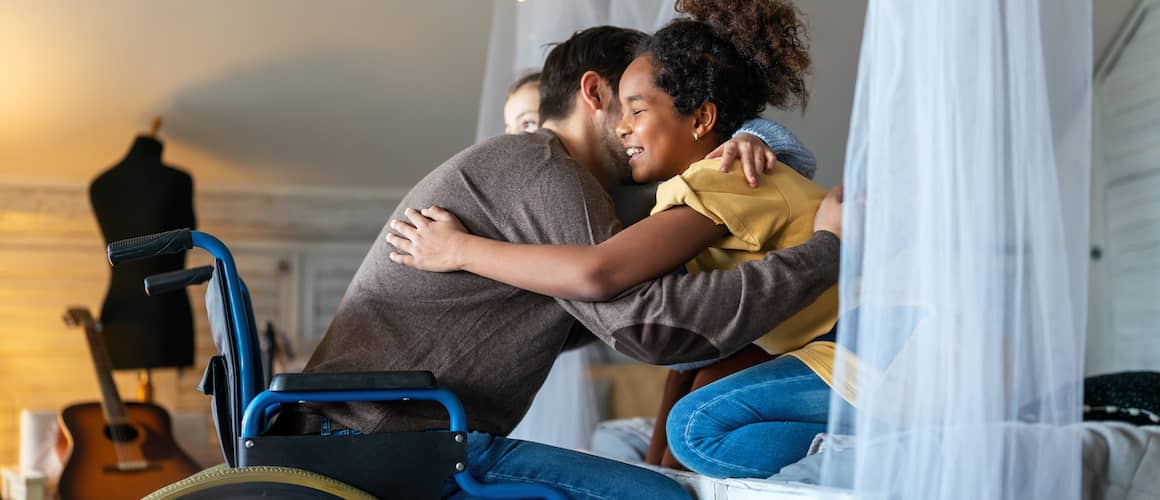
{"x":177,"y":280}
{"x":351,"y":381}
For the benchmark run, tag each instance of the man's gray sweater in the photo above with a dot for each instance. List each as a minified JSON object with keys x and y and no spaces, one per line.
{"x":493,"y":344}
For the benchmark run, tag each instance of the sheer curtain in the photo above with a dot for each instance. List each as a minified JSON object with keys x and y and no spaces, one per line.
{"x":564,"y":411}
{"x":964,"y":263}
{"x":522,"y":31}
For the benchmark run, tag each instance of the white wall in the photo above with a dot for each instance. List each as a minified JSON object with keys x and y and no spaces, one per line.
{"x":1109,"y":17}
{"x":1121,"y":316}
{"x":352,"y":93}
{"x":364,"y":93}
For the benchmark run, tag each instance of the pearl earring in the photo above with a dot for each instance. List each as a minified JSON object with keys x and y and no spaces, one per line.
{"x":696,"y":137}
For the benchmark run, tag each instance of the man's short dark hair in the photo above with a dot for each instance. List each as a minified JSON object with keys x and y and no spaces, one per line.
{"x":607,"y":50}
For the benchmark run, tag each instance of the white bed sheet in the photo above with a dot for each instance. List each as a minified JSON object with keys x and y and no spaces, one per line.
{"x":1120,"y":461}
{"x":707,"y":488}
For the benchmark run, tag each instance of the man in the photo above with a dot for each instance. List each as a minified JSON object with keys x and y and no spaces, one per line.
{"x":492,"y":344}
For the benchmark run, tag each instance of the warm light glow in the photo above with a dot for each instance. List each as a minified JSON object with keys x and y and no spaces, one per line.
{"x":40,"y":63}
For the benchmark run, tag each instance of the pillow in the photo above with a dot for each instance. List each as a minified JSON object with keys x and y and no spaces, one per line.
{"x":1132,"y":397}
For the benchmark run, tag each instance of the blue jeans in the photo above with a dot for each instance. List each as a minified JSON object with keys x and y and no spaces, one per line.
{"x":492,"y":459}
{"x":751,"y":423}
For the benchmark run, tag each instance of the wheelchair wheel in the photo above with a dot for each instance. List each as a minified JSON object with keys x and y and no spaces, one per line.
{"x":258,"y":482}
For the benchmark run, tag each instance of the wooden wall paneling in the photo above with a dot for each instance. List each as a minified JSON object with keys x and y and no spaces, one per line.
{"x":292,"y":247}
{"x":1126,"y":201}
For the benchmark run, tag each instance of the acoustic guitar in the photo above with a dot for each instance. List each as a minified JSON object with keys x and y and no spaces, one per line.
{"x":112,"y":449}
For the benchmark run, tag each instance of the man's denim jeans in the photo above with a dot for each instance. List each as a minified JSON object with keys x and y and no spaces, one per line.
{"x":492,"y":459}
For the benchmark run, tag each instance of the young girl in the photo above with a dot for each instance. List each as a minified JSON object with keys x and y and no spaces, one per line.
{"x":521,"y":109}
{"x":691,"y":87}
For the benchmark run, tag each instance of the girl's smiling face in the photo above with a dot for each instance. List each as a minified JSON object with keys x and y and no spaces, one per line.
{"x":659,"y":140}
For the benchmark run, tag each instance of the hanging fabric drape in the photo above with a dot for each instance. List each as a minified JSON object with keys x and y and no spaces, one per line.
{"x":964,"y":271}
{"x":522,"y":34}
{"x":564,"y":411}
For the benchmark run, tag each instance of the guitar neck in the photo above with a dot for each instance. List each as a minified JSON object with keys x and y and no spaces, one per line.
{"x":111,"y":403}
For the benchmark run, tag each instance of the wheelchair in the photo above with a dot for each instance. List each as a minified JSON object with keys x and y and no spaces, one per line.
{"x":406,"y":465}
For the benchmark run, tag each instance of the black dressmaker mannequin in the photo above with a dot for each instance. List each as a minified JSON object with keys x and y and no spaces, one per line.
{"x":140,"y":195}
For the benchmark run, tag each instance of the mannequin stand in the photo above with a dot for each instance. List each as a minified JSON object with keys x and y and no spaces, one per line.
{"x":145,"y":386}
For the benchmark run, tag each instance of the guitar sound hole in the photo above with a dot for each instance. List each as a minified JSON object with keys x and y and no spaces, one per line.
{"x":120,"y":432}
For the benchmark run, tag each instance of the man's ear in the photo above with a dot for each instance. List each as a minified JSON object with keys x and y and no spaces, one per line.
{"x":594,"y":91}
{"x":704,"y":118}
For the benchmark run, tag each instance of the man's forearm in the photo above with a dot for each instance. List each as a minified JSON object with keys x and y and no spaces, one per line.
{"x":682,"y":318}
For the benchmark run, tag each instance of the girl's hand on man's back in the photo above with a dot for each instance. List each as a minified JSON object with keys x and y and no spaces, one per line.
{"x":430,"y":242}
{"x":755,"y":155}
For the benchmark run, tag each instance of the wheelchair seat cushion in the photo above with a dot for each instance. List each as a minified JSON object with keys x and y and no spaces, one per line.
{"x":352,"y":381}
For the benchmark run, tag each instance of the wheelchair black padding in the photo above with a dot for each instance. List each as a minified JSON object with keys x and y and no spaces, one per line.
{"x":353,"y":381}
{"x":215,"y":384}
{"x":224,"y":375}
{"x":388,"y":465}
{"x":404,"y":465}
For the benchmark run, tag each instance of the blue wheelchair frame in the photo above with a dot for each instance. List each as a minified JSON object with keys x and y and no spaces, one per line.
{"x":260,"y":404}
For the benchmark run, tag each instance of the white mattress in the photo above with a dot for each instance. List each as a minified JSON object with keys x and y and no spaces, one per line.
{"x":1120,"y":461}
{"x":707,"y":488}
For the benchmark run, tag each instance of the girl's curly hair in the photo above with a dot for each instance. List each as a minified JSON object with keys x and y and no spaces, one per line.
{"x":737,"y":55}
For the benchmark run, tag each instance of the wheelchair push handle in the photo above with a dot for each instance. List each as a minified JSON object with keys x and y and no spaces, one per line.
{"x":151,"y":245}
{"x":177,"y":280}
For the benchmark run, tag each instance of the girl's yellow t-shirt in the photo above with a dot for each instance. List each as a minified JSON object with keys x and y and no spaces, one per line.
{"x":777,"y":214}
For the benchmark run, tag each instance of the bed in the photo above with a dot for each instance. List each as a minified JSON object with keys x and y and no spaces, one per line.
{"x":1121,"y":461}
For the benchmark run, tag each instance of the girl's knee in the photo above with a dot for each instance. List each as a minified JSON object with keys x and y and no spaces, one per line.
{"x":694,"y":416}
{"x":678,"y":423}
{"x":689,"y":425}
